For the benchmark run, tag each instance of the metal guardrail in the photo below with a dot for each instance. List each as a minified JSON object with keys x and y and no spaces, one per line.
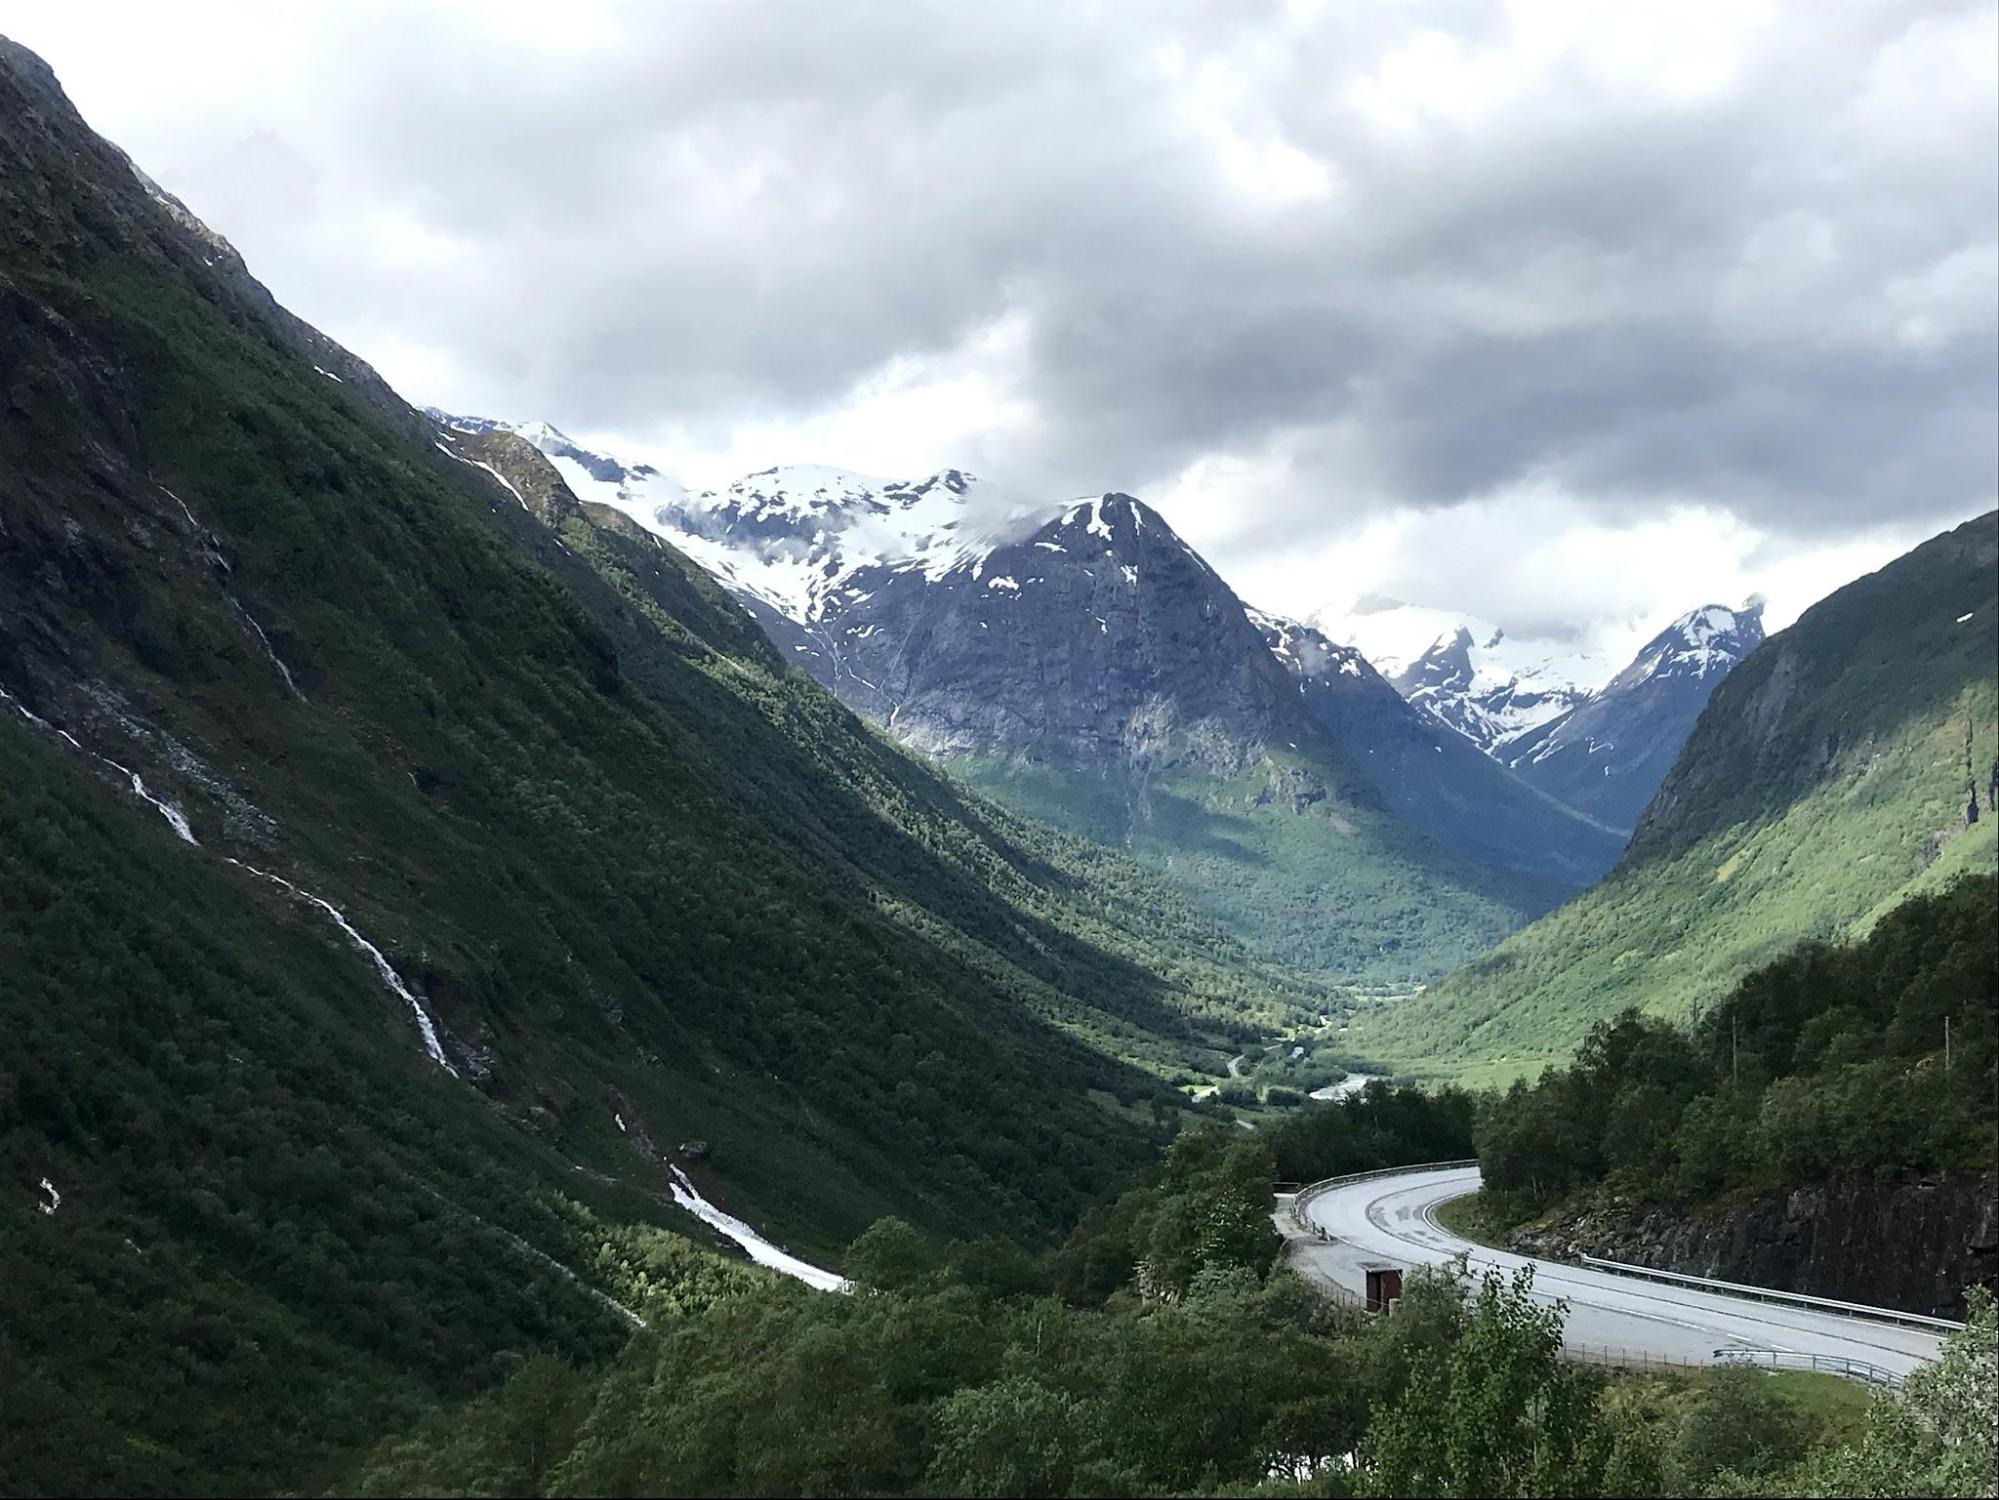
{"x":1770,"y":1294}
{"x":1611,"y":1357}
{"x":1851,"y":1369}
{"x":1825,"y":1364}
{"x":1312,"y":1189}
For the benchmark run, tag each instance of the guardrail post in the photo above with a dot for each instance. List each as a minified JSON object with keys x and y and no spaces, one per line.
{"x":1769,"y":1294}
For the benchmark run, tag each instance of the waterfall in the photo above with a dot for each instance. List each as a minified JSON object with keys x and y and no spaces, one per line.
{"x":269,"y":650}
{"x":761,"y":1250}
{"x":179,"y":822}
{"x":383,"y":968}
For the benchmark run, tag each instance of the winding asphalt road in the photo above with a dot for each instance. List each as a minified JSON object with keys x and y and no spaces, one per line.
{"x":1391,"y":1221}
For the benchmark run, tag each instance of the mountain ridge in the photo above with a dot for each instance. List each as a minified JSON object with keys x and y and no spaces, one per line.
{"x":578,"y":831}
{"x":1432,"y":774}
{"x":1607,"y":755}
{"x":1825,"y":781}
{"x":1076,"y":658}
{"x":1595,"y":740}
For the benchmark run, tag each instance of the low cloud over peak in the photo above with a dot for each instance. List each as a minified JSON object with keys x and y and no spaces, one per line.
{"x":1306,"y":276}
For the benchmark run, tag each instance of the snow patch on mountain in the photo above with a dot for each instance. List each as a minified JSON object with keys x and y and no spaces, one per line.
{"x":1394,"y":636}
{"x":760,"y":1250}
{"x":1468,"y":672}
{"x":505,"y":483}
{"x":1525,"y":703}
{"x":1304,"y":651}
{"x":805,"y":539}
{"x":1608,"y":755}
{"x":1699,"y":643}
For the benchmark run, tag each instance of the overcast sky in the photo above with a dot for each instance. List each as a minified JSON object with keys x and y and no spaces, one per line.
{"x":1569,"y":315}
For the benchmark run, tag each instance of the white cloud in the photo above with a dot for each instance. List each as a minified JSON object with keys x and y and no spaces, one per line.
{"x":912,"y":416}
{"x":1582,"y":311}
{"x":1540,"y":564}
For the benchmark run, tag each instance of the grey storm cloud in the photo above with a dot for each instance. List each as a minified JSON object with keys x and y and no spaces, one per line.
{"x":1215,"y":228}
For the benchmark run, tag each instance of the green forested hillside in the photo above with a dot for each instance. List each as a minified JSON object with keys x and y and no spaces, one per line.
{"x":1873,"y":1059}
{"x":1164,"y":1351}
{"x":1825,"y":782}
{"x":277,"y":1228}
{"x":652,"y":885}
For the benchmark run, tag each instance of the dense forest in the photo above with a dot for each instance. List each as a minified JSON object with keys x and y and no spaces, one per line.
{"x":1874,"y":1057}
{"x":1168,"y":1350}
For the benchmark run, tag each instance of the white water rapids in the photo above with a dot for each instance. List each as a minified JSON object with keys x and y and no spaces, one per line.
{"x":761,"y":1250}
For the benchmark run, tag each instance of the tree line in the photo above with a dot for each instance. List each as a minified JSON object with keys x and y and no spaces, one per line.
{"x":1869,"y":1058}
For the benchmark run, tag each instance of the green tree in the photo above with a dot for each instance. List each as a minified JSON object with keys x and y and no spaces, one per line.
{"x":1638,"y":1135}
{"x":1738,"y":1425}
{"x":890,"y":1255}
{"x":1934,"y":1436}
{"x":1499,"y":1414}
{"x":1012,"y":1437}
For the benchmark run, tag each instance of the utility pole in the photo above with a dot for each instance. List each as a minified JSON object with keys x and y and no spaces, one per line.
{"x":1946,"y":1044}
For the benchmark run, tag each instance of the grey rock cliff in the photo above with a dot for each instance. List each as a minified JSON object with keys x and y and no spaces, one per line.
{"x":1914,"y":1246}
{"x":1099,"y":636}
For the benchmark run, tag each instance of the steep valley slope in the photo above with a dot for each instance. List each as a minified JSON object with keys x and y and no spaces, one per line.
{"x":1850,"y":761}
{"x":1082,"y":663}
{"x":395,"y":866}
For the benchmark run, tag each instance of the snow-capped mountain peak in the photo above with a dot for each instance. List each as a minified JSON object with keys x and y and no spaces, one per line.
{"x":1429,"y":773}
{"x":802,"y":539}
{"x":1703,"y":641}
{"x":1555,"y":715}
{"x":1304,"y":651}
{"x":1464,"y":670}
{"x":1609,"y":753}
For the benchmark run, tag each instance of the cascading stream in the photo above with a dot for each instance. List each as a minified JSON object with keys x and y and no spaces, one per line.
{"x":178,"y":821}
{"x":270,"y":651}
{"x":761,"y":1250}
{"x":685,"y":1194}
{"x":389,"y":976}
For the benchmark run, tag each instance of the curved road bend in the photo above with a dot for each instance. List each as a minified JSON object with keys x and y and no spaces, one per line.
{"x":1391,"y":1220}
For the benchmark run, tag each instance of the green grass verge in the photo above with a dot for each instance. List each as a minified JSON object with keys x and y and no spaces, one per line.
{"x":1469,"y":1219}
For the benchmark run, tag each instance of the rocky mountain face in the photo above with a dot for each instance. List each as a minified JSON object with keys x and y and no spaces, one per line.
{"x":1606,"y":755}
{"x":1595,"y":742}
{"x":1098,"y":636}
{"x":1909,"y":1245}
{"x":1465,"y":672}
{"x":966,"y":625}
{"x":908,"y":601}
{"x":1448,"y":683}
{"x":1430,"y":773}
{"x":1084,"y":663}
